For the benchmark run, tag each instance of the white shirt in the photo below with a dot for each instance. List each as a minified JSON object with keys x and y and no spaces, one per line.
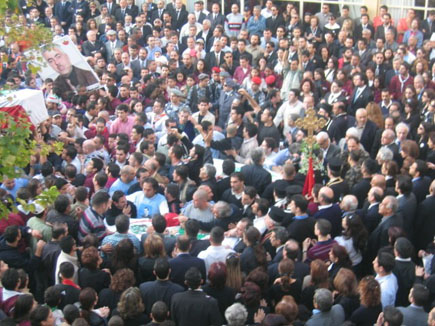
{"x":347,"y":243}
{"x":260,"y":224}
{"x":388,"y":289}
{"x":214,"y":254}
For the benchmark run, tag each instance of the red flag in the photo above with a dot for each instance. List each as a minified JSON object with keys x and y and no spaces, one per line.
{"x":309,"y":179}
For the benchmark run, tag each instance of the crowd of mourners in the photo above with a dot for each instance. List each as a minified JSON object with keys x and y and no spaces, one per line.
{"x":194,"y":126}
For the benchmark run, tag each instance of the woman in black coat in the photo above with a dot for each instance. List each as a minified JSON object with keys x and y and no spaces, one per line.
{"x":254,"y":254}
{"x":90,"y":274}
{"x":121,"y":281}
{"x":286,"y":284}
{"x":131,"y":308}
{"x":217,"y":275}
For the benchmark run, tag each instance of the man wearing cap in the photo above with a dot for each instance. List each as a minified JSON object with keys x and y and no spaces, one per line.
{"x":255,"y":91}
{"x":227,"y":96}
{"x":112,"y":44}
{"x":336,"y":183}
{"x":200,"y":90}
{"x":175,"y":104}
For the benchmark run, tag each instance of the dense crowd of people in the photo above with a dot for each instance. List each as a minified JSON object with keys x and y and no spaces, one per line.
{"x":193,"y":124}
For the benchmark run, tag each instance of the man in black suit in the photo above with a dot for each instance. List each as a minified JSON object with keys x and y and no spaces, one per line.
{"x":255,"y":175}
{"x":278,"y":239}
{"x":407,"y":203}
{"x":364,"y":25}
{"x":361,"y":95}
{"x":291,"y":251}
{"x":370,"y":211}
{"x":361,"y":189}
{"x":420,"y":182}
{"x":216,"y":57}
{"x":340,"y":123}
{"x":92,"y":45}
{"x":215,"y":17}
{"x":274,"y":21}
{"x":379,"y":67}
{"x":387,"y":25}
{"x":424,"y":222}
{"x":428,"y":25}
{"x":162,"y":289}
{"x":206,"y":34}
{"x":125,"y":62}
{"x":329,"y":211}
{"x":196,"y":245}
{"x":368,"y":127}
{"x":198,"y":11}
{"x":179,"y":15}
{"x":302,"y":225}
{"x":133,"y":10}
{"x":63,"y":14}
{"x":328,"y":149}
{"x":379,"y":237}
{"x":122,"y":11}
{"x":194,"y":307}
{"x":387,"y":140}
{"x":111,"y":7}
{"x":159,"y":11}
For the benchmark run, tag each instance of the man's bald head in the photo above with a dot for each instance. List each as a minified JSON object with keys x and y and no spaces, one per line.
{"x":326,"y":196}
{"x":378,"y":180}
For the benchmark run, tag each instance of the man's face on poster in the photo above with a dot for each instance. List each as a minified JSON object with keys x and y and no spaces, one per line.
{"x":59,"y":61}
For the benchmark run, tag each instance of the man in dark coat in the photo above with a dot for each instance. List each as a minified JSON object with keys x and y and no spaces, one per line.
{"x":255,"y":175}
{"x":420,"y":182}
{"x":367,"y":128}
{"x":162,"y":289}
{"x":194,"y":307}
{"x":362,"y":94}
{"x":341,"y":122}
{"x":361,"y":189}
{"x":379,"y":237}
{"x":425,"y":223}
{"x":329,"y":211}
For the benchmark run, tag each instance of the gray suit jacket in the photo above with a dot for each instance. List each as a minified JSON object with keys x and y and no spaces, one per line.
{"x":413,"y":316}
{"x":109,"y":51}
{"x":331,"y":318}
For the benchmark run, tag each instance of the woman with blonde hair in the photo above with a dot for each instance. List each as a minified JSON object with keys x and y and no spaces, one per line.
{"x":131,"y":308}
{"x":347,"y":27}
{"x":154,"y":248}
{"x":234,"y":272}
{"x":374,"y":114}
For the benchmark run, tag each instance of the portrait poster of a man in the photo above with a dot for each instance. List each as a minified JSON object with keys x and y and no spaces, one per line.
{"x":67,"y":67}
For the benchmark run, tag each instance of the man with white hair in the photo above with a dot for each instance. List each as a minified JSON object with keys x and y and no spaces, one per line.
{"x":325,"y":310}
{"x":366,"y":129}
{"x":191,"y":21}
{"x":379,"y":237}
{"x":328,"y":149}
{"x":348,"y":205}
{"x":387,"y":141}
{"x":92,"y":45}
{"x":402,"y":131}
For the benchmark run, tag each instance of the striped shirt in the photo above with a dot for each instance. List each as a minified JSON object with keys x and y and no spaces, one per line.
{"x":320,"y":250}
{"x":91,"y":222}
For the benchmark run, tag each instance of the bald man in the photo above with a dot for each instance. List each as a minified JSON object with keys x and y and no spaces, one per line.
{"x":329,"y":211}
{"x":125,"y":181}
{"x":370,"y":211}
